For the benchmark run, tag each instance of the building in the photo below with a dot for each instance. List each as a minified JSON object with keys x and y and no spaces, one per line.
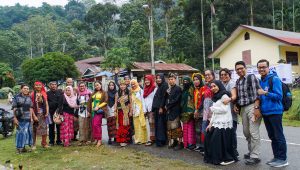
{"x":142,"y":68}
{"x":88,"y":68}
{"x":250,"y":44}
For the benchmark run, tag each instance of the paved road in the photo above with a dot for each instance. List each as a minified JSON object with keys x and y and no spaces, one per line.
{"x":291,"y":133}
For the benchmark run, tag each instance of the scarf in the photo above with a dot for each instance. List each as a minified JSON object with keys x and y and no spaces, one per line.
{"x":72,"y":99}
{"x":111,"y":94}
{"x":137,"y":86}
{"x":43,"y":91}
{"x":150,"y":88}
{"x":217,"y":96}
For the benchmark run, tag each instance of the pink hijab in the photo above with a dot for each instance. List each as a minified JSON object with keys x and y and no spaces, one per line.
{"x":72,"y":99}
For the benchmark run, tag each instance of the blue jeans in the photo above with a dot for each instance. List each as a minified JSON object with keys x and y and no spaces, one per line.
{"x":275,"y":132}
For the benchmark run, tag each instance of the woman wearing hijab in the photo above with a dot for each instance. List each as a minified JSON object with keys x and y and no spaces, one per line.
{"x":111,"y":117}
{"x":97,"y":106}
{"x":187,"y":115}
{"x":138,"y":111}
{"x":41,"y":111}
{"x":158,"y":107}
{"x":123,"y":107}
{"x":218,"y":143}
{"x":84,"y":116}
{"x":67,"y":110}
{"x":149,"y":92}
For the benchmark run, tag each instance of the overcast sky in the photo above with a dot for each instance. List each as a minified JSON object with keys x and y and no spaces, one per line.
{"x":37,"y":3}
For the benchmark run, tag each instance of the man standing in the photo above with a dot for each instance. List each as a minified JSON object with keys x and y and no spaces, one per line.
{"x":54,"y":96}
{"x":248,"y":104}
{"x":271,"y":108}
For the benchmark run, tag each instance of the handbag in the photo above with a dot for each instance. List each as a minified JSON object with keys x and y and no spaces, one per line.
{"x":57,"y":118}
{"x":100,"y":111}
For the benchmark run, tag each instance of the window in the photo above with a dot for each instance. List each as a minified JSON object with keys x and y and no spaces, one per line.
{"x":292,"y":57}
{"x":247,"y":57}
{"x":247,"y":36}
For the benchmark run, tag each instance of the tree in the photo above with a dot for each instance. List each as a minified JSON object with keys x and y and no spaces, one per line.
{"x":99,"y":20}
{"x":52,"y":66}
{"x":6,"y":76}
{"x":75,"y":10}
{"x":117,"y":58}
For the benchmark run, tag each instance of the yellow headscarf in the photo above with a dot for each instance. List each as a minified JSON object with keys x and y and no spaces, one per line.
{"x":137,"y":86}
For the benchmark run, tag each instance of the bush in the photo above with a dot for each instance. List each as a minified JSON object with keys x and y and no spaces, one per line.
{"x":294,"y":112}
{"x":4,"y":92}
{"x":17,"y":88}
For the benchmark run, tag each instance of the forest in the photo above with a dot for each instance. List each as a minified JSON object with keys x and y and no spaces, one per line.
{"x":83,"y":28}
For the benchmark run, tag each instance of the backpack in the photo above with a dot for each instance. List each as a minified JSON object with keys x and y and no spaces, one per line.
{"x":286,"y":94}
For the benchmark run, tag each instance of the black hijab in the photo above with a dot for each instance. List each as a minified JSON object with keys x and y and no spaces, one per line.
{"x":163,"y":80}
{"x":217,"y":96}
{"x":111,"y":94}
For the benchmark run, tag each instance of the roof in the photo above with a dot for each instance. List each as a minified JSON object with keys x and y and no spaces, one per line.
{"x":84,"y":67}
{"x":164,"y":66}
{"x":286,"y":37}
{"x":93,"y":60}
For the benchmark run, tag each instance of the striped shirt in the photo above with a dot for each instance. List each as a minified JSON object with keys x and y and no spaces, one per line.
{"x":247,"y":91}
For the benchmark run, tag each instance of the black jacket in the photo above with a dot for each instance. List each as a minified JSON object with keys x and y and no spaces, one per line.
{"x":173,"y":100}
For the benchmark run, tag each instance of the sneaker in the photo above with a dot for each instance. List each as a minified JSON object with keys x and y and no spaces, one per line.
{"x":279,"y":163}
{"x":33,"y":148}
{"x":191,"y":147}
{"x":123,"y":144}
{"x":252,"y":161}
{"x":247,"y":156}
{"x":198,"y":149}
{"x":226,"y":163}
{"x":271,"y":161}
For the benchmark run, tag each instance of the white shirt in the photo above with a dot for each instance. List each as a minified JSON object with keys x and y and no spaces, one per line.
{"x":149,"y":101}
{"x":221,"y":117}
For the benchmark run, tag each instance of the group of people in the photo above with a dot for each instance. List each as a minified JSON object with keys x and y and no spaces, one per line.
{"x":202,"y":115}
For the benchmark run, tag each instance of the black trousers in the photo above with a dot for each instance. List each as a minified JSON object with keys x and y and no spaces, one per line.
{"x":52,"y":131}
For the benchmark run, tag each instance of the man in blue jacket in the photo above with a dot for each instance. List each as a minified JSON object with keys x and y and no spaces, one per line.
{"x":271,"y":108}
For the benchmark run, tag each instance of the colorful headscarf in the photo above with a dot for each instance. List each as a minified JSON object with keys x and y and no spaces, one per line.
{"x":137,"y":86}
{"x":43,"y":90}
{"x":83,"y":93}
{"x":72,"y":99}
{"x":149,"y":89}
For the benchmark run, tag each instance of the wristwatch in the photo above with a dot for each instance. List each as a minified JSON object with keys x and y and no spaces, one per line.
{"x":256,"y":107}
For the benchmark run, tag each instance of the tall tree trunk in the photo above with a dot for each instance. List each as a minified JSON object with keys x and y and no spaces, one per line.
{"x":273,"y":14}
{"x":251,"y":13}
{"x":282,"y":15}
{"x":167,"y":26}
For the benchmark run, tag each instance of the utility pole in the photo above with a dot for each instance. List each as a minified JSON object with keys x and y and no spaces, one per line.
{"x":212,"y":34}
{"x":251,"y":13}
{"x":203,"y":40}
{"x":282,"y":15}
{"x":273,"y":11}
{"x":151,"y":39}
{"x":294,"y":27}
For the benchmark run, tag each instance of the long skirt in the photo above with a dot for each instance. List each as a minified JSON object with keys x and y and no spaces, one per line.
{"x":66,"y":129}
{"x":140,"y":133}
{"x":97,"y":126}
{"x":85,"y":128}
{"x":111,"y":127}
{"x":123,"y":133}
{"x":41,"y":127}
{"x":151,"y":120}
{"x":189,"y":137}
{"x":24,"y":134}
{"x":174,"y":129}
{"x":160,"y":128}
{"x":218,"y":146}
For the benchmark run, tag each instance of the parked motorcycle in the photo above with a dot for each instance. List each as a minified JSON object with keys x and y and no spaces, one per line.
{"x":6,"y":123}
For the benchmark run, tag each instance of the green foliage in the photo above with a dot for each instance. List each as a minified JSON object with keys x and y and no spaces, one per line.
{"x":294,"y":112}
{"x":117,"y":58}
{"x":6,"y":74}
{"x":4,"y":92}
{"x":52,"y":66}
{"x":16,"y":88}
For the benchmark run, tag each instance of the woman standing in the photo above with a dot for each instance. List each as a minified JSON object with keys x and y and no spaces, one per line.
{"x":158,"y":107}
{"x":67,"y":108}
{"x":41,"y":111}
{"x":111,"y":117}
{"x":138,"y":110}
{"x":218,"y":142}
{"x":149,"y":92}
{"x":23,"y":116}
{"x":84,"y":116}
{"x":96,"y":106}
{"x":122,"y":104}
{"x":187,"y":116}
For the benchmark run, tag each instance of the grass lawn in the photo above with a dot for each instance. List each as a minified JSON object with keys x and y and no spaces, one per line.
{"x":87,"y":157}
{"x":291,"y":117}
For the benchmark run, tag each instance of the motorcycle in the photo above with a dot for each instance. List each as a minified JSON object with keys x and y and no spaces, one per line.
{"x":6,"y":123}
